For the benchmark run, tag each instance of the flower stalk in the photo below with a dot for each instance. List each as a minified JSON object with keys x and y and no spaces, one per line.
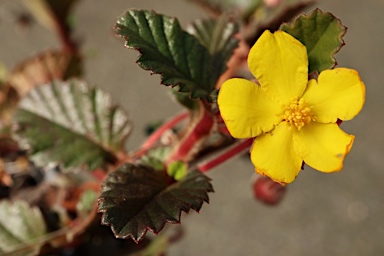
{"x":236,"y":149}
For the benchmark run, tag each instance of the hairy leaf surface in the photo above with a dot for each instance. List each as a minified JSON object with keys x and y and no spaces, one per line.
{"x":322,"y":34}
{"x":136,"y":199}
{"x":21,"y":227}
{"x":169,"y":51}
{"x":72,"y":124}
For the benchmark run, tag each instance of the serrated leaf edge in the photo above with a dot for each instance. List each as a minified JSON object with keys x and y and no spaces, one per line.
{"x":177,"y":221}
{"x":341,"y":35}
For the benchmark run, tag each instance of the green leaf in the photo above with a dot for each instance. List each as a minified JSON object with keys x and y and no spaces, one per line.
{"x":155,"y":158}
{"x":72,"y":124}
{"x":177,"y":170}
{"x":86,"y":203}
{"x":21,"y":227}
{"x":169,"y":51}
{"x":322,"y":34}
{"x":266,"y":18}
{"x":136,"y":199}
{"x":184,"y":99}
{"x":218,"y":37}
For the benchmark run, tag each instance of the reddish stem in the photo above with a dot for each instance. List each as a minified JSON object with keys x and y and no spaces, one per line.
{"x":226,"y":155}
{"x":155,"y":136}
{"x":63,"y":31}
{"x":200,"y":127}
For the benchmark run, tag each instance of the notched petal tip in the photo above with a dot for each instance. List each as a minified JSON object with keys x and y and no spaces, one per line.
{"x":280,"y":63}
{"x":338,"y":94}
{"x":246,"y":109}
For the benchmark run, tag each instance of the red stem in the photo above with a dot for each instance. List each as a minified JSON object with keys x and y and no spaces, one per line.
{"x":63,"y":31}
{"x":155,"y":136}
{"x":226,"y":155}
{"x":196,"y":134}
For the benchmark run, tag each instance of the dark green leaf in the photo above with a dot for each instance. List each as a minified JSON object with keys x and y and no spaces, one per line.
{"x":322,"y":34}
{"x":184,"y":99}
{"x":21,"y":227}
{"x":72,"y":124}
{"x":168,"y":50}
{"x":136,"y":199}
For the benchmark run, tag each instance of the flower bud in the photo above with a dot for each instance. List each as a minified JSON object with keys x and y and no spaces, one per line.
{"x":268,"y":191}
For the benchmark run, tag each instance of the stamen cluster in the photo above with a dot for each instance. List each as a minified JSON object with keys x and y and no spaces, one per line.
{"x":298,"y":113}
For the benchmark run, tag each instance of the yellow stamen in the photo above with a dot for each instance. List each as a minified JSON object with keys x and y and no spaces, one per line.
{"x":298,"y":113}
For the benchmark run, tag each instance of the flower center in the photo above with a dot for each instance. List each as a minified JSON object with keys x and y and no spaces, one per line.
{"x":298,"y":113}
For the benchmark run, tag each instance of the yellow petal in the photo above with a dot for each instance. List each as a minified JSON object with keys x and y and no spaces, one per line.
{"x":323,"y":146}
{"x":338,"y":94}
{"x":246,"y":109}
{"x":273,"y":154}
{"x":280,"y":64}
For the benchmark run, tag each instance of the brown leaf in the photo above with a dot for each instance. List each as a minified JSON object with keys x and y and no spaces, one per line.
{"x":42,"y":69}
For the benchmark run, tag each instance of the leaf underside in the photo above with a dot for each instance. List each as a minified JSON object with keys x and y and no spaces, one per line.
{"x":20,"y":226}
{"x":322,"y":34}
{"x":136,"y":199}
{"x":169,"y":51}
{"x":72,"y":124}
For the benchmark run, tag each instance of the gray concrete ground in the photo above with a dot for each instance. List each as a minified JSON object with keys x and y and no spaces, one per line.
{"x":336,"y":214}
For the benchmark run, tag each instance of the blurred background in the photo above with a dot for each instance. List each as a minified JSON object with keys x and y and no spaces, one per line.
{"x":334,"y":214}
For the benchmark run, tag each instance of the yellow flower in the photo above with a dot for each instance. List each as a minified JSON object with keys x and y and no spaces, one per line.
{"x":292,"y":119}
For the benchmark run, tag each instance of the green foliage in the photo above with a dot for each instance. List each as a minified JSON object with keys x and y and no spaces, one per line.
{"x":218,"y":37}
{"x":86,"y":203}
{"x":177,"y":170}
{"x":20,"y":227}
{"x":185,"y":100}
{"x":168,"y":50}
{"x":136,"y":199}
{"x":322,"y":34}
{"x":72,"y":124}
{"x":155,"y":158}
